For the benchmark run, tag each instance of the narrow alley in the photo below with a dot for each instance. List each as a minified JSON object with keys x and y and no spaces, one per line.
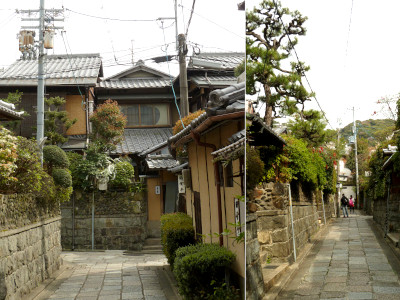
{"x":349,"y":262}
{"x":110,"y":275}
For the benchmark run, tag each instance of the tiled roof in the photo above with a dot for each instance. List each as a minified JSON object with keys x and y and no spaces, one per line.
{"x":75,"y":142}
{"x":237,"y":136}
{"x":216,"y":60}
{"x":138,"y":140}
{"x":262,"y":134}
{"x":236,"y":146}
{"x":217,"y":81}
{"x":7,"y":112}
{"x":222,"y":102}
{"x":58,"y":69}
{"x":132,"y":83}
{"x":161,"y":162}
{"x":178,"y":168}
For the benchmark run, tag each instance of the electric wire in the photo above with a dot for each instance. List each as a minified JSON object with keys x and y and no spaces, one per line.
{"x":190,"y":18}
{"x":69,"y":61}
{"x":170,"y":78}
{"x":112,"y":19}
{"x":214,"y":23}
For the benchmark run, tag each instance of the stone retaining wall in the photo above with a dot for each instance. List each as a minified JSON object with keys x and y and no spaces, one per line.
{"x":254,"y":277}
{"x":119,"y":221}
{"x":270,"y":203}
{"x":30,"y":244}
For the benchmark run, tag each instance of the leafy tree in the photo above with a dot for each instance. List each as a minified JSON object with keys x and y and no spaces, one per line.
{"x":310,"y":127}
{"x":56,"y":121}
{"x":108,"y":124}
{"x":268,"y":46}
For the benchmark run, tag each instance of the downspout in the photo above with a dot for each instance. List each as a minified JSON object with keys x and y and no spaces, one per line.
{"x":196,"y":137}
{"x":291,"y":221}
{"x":87,"y":115}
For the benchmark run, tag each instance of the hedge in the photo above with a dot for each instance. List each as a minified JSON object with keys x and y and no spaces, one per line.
{"x":199,"y":268}
{"x":176,"y":231}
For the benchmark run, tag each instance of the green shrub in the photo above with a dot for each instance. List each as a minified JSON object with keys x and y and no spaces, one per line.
{"x":62,"y":177}
{"x":55,"y":157}
{"x":176,"y":231}
{"x":198,"y":267}
{"x":124,"y":176}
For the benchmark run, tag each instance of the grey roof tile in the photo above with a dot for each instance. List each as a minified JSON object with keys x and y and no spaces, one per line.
{"x":218,"y":60}
{"x":59,"y":69}
{"x":161,"y":162}
{"x":7,"y":112}
{"x":135,"y":83}
{"x":217,"y":81}
{"x":140,"y":139}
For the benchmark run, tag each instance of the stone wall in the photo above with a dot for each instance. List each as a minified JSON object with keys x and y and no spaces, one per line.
{"x":254,"y":277}
{"x":270,"y":203}
{"x":30,"y":244}
{"x":119,"y":221}
{"x":381,"y":207}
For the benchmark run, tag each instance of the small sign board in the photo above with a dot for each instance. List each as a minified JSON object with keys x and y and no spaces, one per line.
{"x":158,"y":190}
{"x":181,"y":184}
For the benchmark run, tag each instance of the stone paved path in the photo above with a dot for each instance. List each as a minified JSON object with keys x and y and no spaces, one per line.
{"x":349,"y":263}
{"x":111,"y":275}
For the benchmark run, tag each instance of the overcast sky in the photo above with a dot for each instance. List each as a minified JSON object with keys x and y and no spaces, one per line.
{"x":368,"y":72}
{"x":216,"y":26}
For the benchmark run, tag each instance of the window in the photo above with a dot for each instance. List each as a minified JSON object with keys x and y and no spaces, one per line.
{"x":146,"y":114}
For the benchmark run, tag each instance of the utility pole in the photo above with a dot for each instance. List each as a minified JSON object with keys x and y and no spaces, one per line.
{"x":40,"y":88}
{"x":182,"y":51}
{"x":356,"y":160}
{"x":28,"y":50}
{"x":176,"y":24}
{"x":338,"y":175}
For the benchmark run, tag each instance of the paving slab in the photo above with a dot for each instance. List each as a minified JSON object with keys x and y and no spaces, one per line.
{"x":351,"y":261}
{"x":111,"y":275}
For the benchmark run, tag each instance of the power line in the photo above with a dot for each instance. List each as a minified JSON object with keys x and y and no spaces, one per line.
{"x":213,"y":22}
{"x":112,"y":19}
{"x":190,"y":18}
{"x":298,"y":60}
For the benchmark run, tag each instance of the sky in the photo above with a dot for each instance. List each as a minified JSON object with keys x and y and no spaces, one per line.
{"x":353,"y":64}
{"x":216,"y":26}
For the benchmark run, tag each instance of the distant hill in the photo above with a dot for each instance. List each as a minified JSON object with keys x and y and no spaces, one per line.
{"x":372,"y":130}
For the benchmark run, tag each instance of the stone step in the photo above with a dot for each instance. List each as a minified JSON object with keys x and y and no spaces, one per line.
{"x":272,"y":273}
{"x":394,"y":237}
{"x":152,"y":247}
{"x":152,"y":241}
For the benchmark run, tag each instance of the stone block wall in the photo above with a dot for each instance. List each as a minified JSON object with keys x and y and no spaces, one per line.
{"x":119,"y":221}
{"x":254,"y":277}
{"x":30,"y":244}
{"x":270,"y":204}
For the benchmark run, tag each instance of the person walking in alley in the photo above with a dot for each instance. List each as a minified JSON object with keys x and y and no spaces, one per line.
{"x":351,"y":204}
{"x":344,"y":202}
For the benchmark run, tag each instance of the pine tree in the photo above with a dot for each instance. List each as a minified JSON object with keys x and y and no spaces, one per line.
{"x":269,"y":63}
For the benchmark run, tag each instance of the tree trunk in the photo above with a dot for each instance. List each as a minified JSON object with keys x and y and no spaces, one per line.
{"x":268,"y":107}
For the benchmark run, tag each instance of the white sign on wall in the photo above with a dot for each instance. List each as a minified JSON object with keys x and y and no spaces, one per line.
{"x":181,"y":184}
{"x":158,"y":190}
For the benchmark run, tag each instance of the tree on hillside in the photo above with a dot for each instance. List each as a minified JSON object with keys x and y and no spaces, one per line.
{"x":269,"y":44}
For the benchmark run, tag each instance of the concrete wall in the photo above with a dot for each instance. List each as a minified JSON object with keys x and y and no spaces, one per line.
{"x":30,"y":244}
{"x":119,"y":221}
